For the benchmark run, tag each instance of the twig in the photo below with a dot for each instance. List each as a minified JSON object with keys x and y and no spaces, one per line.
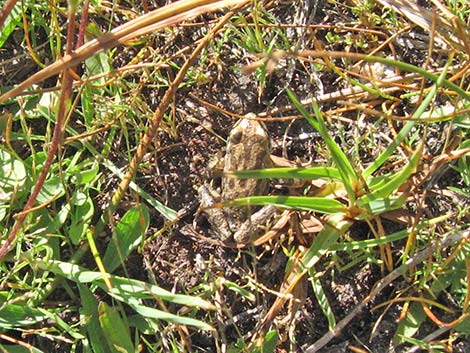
{"x":56,"y":138}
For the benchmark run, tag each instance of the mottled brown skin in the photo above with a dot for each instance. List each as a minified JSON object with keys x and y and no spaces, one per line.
{"x":248,"y":148}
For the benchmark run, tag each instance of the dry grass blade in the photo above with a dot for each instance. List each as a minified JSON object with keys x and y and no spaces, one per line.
{"x":425,"y":19}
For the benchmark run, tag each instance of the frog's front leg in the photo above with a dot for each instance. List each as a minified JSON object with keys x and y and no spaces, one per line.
{"x":216,"y":217}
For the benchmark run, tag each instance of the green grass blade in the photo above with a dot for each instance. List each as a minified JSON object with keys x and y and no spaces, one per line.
{"x":317,"y":204}
{"x":89,"y":314}
{"x":14,"y":316}
{"x":153,"y":313}
{"x":124,"y":289}
{"x":322,"y":299}
{"x":288,"y":173}
{"x":401,"y":136}
{"x":339,"y":158}
{"x":334,"y":228}
{"x":116,"y":333}
{"x":166,"y":212}
{"x":395,"y":182}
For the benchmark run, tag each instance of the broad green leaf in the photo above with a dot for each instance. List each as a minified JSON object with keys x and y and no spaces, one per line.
{"x":11,"y":22}
{"x":128,"y":234}
{"x":81,"y":216}
{"x":96,"y":65}
{"x":12,"y":175}
{"x":52,"y":188}
{"x":267,"y":344}
{"x":15,"y":316}
{"x":114,"y":329}
{"x":84,"y":173}
{"x":463,"y":326}
{"x":411,"y":324}
{"x":89,"y":317}
{"x":317,"y":204}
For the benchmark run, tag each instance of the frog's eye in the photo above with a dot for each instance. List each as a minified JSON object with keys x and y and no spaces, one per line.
{"x":236,"y":135}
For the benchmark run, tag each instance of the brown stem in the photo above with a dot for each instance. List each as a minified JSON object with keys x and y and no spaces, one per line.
{"x":83,"y":24}
{"x":9,"y":4}
{"x":56,"y":138}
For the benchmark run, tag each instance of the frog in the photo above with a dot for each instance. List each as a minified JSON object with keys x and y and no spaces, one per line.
{"x":248,"y":148}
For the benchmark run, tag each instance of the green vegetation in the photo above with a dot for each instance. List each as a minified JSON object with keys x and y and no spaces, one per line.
{"x":105,"y":143}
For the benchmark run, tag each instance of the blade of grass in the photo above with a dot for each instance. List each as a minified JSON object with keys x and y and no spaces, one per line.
{"x":115,"y":332}
{"x":345,"y":168}
{"x":127,"y":235}
{"x":288,"y":173}
{"x":396,"y":181}
{"x":89,"y":313}
{"x":125,"y":287}
{"x":317,"y":204}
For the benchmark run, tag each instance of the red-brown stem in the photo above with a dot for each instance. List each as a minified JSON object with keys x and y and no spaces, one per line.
{"x":83,"y":24}
{"x":56,"y":138}
{"x":6,"y":11}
